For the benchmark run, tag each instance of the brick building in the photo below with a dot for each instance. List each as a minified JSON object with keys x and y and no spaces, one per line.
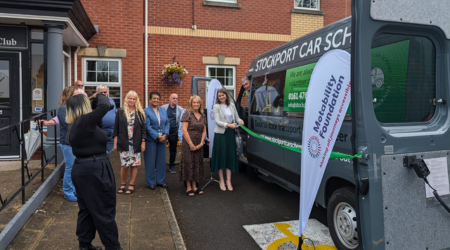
{"x":54,"y":43}
{"x":196,"y":32}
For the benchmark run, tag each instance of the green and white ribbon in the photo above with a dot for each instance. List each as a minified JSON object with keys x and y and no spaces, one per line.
{"x":334,"y":155}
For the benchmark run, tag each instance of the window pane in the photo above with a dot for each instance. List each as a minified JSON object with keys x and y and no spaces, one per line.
{"x":220,"y":72}
{"x":66,"y":72}
{"x":113,"y":76}
{"x":114,"y":93}
{"x":229,"y":72}
{"x":114,"y":66}
{"x":4,"y":82}
{"x":221,"y":80}
{"x":91,"y":65}
{"x":231,"y":92}
{"x":102,"y":66}
{"x":37,"y":77}
{"x":102,"y":77}
{"x":37,"y":34}
{"x":228,"y":82}
{"x":310,"y":4}
{"x":91,"y":77}
{"x":266,"y":95}
{"x":212,"y":72}
{"x":403,"y":78}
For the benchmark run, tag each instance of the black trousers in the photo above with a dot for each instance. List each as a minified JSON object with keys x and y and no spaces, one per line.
{"x":96,"y":192}
{"x":173,"y":139}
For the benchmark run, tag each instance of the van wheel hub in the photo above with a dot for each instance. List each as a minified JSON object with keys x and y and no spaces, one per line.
{"x":345,"y":224}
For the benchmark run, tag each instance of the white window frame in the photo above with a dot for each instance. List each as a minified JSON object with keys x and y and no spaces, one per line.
{"x":233,"y":87}
{"x":108,"y":84}
{"x":67,"y":63}
{"x":85,"y":59}
{"x":306,"y":8}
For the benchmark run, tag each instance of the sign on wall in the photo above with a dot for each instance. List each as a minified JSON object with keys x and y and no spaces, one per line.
{"x":13,"y":37}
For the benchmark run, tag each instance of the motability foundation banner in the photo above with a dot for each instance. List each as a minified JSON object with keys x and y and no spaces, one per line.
{"x":325,"y":107}
{"x":213,"y":87}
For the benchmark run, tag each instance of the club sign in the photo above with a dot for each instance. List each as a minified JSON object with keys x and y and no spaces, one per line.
{"x":13,"y":37}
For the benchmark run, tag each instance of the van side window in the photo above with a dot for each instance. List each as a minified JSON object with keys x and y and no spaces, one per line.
{"x":403,"y":70}
{"x":268,"y":94}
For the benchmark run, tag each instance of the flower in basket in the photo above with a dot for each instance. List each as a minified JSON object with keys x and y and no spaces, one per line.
{"x":174,"y":73}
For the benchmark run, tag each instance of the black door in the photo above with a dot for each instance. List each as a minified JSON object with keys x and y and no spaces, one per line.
{"x":9,"y":103}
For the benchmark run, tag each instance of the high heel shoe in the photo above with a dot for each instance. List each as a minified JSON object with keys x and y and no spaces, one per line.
{"x":222,"y":186}
{"x":229,"y":186}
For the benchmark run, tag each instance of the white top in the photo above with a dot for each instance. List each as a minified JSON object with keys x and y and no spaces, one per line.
{"x":228,"y":114}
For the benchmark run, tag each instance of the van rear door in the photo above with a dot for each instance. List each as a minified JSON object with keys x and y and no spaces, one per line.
{"x":199,"y":86}
{"x":399,"y":90}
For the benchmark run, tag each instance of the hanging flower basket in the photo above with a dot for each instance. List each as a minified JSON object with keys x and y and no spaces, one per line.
{"x":174,"y":73}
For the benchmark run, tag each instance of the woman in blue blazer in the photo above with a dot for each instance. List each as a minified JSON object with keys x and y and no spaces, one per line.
{"x":157,"y":126}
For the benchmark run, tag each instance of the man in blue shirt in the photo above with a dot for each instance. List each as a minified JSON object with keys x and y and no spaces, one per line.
{"x":174,"y":112}
{"x":108,"y":119}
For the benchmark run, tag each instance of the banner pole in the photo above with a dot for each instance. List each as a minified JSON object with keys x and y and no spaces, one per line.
{"x":300,"y":242}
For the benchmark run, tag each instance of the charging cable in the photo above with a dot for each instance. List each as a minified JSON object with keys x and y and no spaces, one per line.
{"x":422,"y":171}
{"x":437,"y":196}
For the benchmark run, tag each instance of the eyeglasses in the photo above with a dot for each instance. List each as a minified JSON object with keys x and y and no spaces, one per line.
{"x":80,"y":85}
{"x":104,"y":92}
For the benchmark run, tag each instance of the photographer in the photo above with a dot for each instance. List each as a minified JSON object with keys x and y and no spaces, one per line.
{"x":92,"y":173}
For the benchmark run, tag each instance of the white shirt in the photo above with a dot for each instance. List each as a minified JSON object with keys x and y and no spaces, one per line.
{"x":228,"y":114}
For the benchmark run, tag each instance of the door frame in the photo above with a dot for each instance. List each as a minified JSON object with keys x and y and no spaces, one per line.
{"x":14,"y":157}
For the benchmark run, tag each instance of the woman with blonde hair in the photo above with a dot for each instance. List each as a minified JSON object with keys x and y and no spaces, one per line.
{"x":224,"y":145}
{"x":194,"y":132}
{"x":129,"y":139}
{"x":69,"y":158}
{"x":92,"y":173}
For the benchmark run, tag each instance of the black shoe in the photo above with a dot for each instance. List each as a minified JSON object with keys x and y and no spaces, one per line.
{"x":152,"y":187}
{"x":91,"y":247}
{"x":162,"y":185}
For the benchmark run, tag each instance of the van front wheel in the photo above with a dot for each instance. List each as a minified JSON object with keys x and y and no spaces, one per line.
{"x":341,"y":215}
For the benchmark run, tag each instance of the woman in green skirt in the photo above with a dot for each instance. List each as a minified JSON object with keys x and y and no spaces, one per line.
{"x":224,"y":147}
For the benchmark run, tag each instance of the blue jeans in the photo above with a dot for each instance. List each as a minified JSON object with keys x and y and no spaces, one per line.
{"x":110,"y":142}
{"x":69,"y":158}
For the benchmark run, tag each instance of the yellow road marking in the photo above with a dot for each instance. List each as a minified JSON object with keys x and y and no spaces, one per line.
{"x":284,"y":228}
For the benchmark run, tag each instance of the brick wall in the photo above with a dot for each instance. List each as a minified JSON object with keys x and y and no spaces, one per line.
{"x":190,"y":51}
{"x":259,"y":16}
{"x":303,"y":24}
{"x":335,"y":10}
{"x":121,"y":25}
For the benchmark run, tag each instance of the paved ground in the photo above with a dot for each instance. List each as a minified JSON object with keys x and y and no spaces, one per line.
{"x":145,"y":220}
{"x":216,"y":219}
{"x":11,"y":181}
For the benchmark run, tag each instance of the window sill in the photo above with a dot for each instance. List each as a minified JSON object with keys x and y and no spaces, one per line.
{"x":221,"y":4}
{"x":309,"y":12}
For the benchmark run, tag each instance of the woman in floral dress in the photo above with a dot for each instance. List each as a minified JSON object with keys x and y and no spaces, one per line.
{"x":194,"y":132}
{"x":129,"y":139}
